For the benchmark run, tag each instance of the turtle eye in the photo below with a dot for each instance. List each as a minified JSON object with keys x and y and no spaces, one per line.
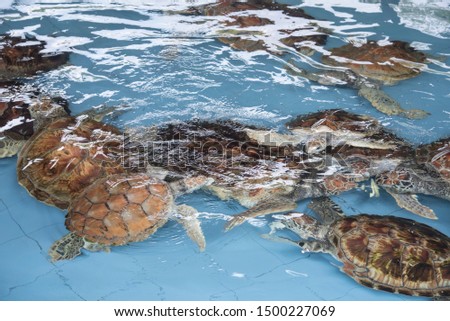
{"x":301,"y":243}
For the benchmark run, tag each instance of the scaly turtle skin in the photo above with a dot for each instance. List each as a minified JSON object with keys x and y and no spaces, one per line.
{"x":387,"y":253}
{"x":21,"y":57}
{"x":124,"y":208}
{"x":23,"y":109}
{"x":66,"y":156}
{"x":242,"y":39}
{"x":436,"y":156}
{"x":367,"y":67}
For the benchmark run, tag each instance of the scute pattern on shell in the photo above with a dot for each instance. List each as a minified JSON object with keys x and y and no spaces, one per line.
{"x":120,"y":209}
{"x":386,"y":60}
{"x":66,"y":156}
{"x":393,"y":254}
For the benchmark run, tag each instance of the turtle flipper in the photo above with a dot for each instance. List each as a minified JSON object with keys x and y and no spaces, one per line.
{"x":187,"y":216}
{"x":10,"y":147}
{"x":267,"y":206}
{"x":410,"y":203}
{"x":328,"y":210}
{"x":387,"y":105}
{"x":66,"y":248}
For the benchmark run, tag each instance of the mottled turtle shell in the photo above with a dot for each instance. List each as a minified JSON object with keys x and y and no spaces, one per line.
{"x":120,"y":209}
{"x":20,"y":57}
{"x":336,"y":120}
{"x":436,"y":155}
{"x":393,"y":254}
{"x":67,"y":156}
{"x":16,"y":121}
{"x":387,"y":63}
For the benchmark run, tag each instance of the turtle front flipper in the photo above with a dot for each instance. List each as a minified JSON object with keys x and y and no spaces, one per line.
{"x":410,"y":203}
{"x":10,"y":147}
{"x":387,"y":105}
{"x":267,"y":206}
{"x":187,"y":217}
{"x":66,"y":248}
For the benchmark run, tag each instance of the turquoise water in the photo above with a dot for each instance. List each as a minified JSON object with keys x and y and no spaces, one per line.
{"x":161,"y":67}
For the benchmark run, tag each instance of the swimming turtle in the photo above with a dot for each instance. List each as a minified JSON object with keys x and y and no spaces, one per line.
{"x":268,"y":178}
{"x":387,"y":253}
{"x":124,"y":208}
{"x":366,"y":68}
{"x":243,"y":16}
{"x":23,"y":109}
{"x":23,"y":56}
{"x":428,"y":173}
{"x":67,"y":155}
{"x":435,"y":156}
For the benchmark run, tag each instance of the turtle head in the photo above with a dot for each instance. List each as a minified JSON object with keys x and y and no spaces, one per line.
{"x":302,"y":224}
{"x":46,"y":110}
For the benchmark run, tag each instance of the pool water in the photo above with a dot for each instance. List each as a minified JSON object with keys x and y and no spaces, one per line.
{"x":161,"y":67}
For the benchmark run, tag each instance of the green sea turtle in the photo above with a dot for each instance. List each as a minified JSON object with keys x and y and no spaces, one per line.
{"x":124,"y":208}
{"x":23,"y":110}
{"x":269,"y":176}
{"x":366,"y":67}
{"x":387,"y":253}
{"x":296,"y":30}
{"x":23,"y":56}
{"x":66,"y":156}
{"x":435,"y":156}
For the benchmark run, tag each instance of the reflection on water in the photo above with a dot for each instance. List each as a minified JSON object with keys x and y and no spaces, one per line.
{"x":165,"y":65}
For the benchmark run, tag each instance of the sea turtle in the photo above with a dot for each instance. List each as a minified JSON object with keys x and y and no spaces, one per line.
{"x":124,"y":208}
{"x":23,"y":56}
{"x":68,"y":155}
{"x":435,"y":156}
{"x":366,"y":67}
{"x":428,"y":173}
{"x":407,"y":180}
{"x":268,"y":178}
{"x":296,"y":31}
{"x":23,"y":109}
{"x":387,"y":253}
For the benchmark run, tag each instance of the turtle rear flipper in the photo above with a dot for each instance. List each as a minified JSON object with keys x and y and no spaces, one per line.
{"x":387,"y":105}
{"x":267,"y":206}
{"x":66,"y":248}
{"x":187,"y":217}
{"x":410,"y":203}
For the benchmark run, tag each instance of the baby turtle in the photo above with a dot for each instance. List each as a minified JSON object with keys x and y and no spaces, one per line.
{"x":68,"y":155}
{"x":124,"y":208}
{"x":366,"y":68}
{"x":386,"y":253}
{"x":23,"y":56}
{"x":23,"y":109}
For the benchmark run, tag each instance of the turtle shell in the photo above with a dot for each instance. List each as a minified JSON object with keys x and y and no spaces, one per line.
{"x":386,"y":63}
{"x":436,"y":156}
{"x":20,"y":57}
{"x":120,"y":209}
{"x":68,"y":155}
{"x":393,"y":254}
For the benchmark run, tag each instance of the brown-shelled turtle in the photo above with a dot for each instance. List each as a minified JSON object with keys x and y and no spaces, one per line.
{"x":296,"y":30}
{"x":124,"y":208}
{"x":23,"y":109}
{"x":269,"y":174}
{"x":67,"y":155}
{"x":25,"y":56}
{"x":386,"y":253}
{"x":368,"y":66}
